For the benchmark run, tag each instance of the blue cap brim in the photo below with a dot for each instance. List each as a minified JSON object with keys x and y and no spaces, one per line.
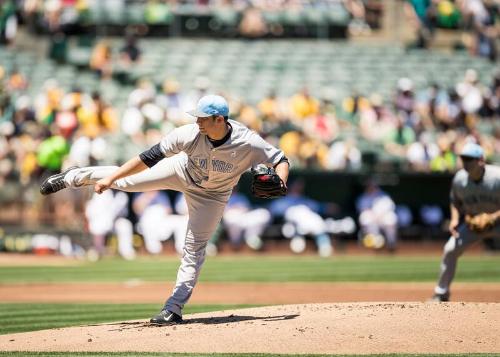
{"x":471,"y":156}
{"x":198,"y":114}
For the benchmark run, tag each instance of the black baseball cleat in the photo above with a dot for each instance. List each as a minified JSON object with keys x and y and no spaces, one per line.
{"x":440,"y":298}
{"x":55,"y":182}
{"x":166,"y":317}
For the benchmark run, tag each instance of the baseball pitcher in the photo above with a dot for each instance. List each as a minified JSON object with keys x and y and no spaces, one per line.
{"x":475,"y":212}
{"x":204,"y":161}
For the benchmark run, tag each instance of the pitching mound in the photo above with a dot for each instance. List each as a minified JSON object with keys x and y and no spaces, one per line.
{"x":317,"y":328}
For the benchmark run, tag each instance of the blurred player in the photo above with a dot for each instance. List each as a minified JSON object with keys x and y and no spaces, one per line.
{"x":106,"y":214}
{"x":475,"y":212}
{"x":377,"y":216}
{"x":157,"y":221}
{"x":301,"y":216}
{"x":204,"y":160}
{"x":244,"y":223}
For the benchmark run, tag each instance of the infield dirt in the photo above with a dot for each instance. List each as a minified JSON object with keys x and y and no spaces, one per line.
{"x":359,"y":328}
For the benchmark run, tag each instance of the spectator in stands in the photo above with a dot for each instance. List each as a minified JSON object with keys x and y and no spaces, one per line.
{"x":446,"y":160}
{"x":357,"y":10}
{"x":47,"y":102}
{"x":273,"y":112}
{"x":404,"y":102}
{"x":322,"y":126}
{"x":172,"y":101}
{"x":450,"y":113}
{"x":8,"y":22}
{"x":480,"y":16}
{"x":107,"y":213}
{"x":52,"y":152}
{"x":104,"y":116}
{"x":303,"y":105}
{"x":447,"y":14}
{"x":377,"y":122}
{"x":473,"y":11}
{"x":66,"y":120}
{"x":252,"y":24}
{"x":130,"y":53}
{"x":303,"y":151}
{"x":491,"y":96}
{"x":427,"y":105}
{"x":471,"y":96}
{"x":101,"y":60}
{"x":249,"y":116}
{"x":16,"y":82}
{"x":496,"y":142}
{"x":422,"y":15}
{"x":144,"y":92}
{"x":421,"y":152}
{"x":399,"y":138}
{"x":290,"y":144}
{"x":80,"y":153}
{"x":344,"y":155}
{"x":23,"y":115}
{"x":377,"y":216}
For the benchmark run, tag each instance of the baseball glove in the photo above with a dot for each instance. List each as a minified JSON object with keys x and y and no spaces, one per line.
{"x":481,"y":222}
{"x":267,"y":184}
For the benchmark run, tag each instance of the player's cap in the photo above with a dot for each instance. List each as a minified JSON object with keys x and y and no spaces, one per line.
{"x":472,"y":150}
{"x":210,"y":105}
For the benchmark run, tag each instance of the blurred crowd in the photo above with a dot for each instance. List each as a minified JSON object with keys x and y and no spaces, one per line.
{"x":478,"y":19}
{"x":59,"y":128}
{"x":251,"y":18}
{"x":414,"y":130}
{"x":419,"y":130}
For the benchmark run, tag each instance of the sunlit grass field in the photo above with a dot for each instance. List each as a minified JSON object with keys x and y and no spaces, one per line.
{"x":19,"y":317}
{"x":261,"y":269}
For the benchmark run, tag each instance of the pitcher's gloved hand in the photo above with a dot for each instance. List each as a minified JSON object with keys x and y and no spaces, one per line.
{"x":267,"y":184}
{"x":481,"y":222}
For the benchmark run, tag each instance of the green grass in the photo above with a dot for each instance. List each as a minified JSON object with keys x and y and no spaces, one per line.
{"x":262,"y":269}
{"x":124,"y":354}
{"x":19,"y":317}
{"x":31,"y":317}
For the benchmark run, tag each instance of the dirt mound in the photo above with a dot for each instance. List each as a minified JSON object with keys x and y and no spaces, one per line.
{"x":315,"y":328}
{"x":244,"y":293}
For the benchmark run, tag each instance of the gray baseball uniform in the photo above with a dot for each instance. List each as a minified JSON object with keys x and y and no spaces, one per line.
{"x":205,"y":174}
{"x":470,"y":198}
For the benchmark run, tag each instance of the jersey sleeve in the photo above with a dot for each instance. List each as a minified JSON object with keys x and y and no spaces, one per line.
{"x":152,"y":156}
{"x":178,"y":140}
{"x":265,"y":153}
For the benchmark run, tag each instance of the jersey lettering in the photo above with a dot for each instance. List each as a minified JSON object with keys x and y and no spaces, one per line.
{"x":222,"y":166}
{"x":480,"y":198}
{"x":201,"y":163}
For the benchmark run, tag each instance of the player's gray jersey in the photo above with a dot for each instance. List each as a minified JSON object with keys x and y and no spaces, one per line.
{"x":476,"y":197}
{"x":219,"y":169}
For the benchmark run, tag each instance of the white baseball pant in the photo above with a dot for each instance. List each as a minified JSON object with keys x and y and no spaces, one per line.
{"x":205,"y":211}
{"x":454,"y":248}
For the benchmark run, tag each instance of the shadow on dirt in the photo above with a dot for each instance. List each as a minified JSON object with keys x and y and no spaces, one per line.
{"x":236,"y":318}
{"x":202,"y":320}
